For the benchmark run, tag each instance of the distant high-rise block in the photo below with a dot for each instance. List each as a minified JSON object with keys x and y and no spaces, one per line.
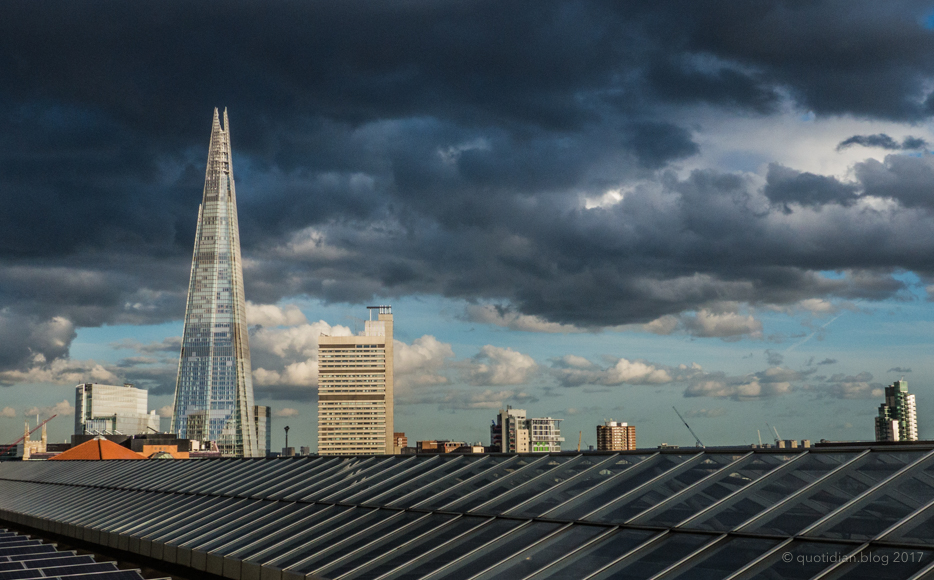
{"x":214,"y":390}
{"x":898,"y":417}
{"x":355,"y":386}
{"x":509,"y":432}
{"x":113,"y":409}
{"x":262,"y":417}
{"x":614,"y":436}
{"x":513,"y":432}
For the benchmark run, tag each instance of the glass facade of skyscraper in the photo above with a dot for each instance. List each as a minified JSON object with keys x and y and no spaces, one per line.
{"x":214,"y":391}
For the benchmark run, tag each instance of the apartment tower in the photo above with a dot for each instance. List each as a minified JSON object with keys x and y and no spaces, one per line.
{"x":214,"y":389}
{"x":898,"y":417}
{"x":615,"y":436}
{"x":513,"y":432}
{"x":355,"y":389}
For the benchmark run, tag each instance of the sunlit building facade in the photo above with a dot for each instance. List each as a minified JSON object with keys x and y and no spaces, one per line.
{"x":214,"y":390}
{"x":355,"y":387}
{"x":616,"y":436}
{"x":104,"y":409}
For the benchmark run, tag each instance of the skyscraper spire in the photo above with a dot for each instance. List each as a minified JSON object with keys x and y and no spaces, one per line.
{"x":214,"y":389}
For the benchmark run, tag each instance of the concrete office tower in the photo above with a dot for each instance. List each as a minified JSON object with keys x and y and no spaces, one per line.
{"x":214,"y":391}
{"x":614,"y":436}
{"x":355,"y":380}
{"x":107,"y":409}
{"x":898,"y":417}
{"x":262,"y":417}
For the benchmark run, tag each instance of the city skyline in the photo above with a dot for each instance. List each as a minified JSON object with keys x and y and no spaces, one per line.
{"x":593,"y":214}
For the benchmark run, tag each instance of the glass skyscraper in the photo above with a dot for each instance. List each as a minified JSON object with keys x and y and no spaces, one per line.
{"x":214,"y":390}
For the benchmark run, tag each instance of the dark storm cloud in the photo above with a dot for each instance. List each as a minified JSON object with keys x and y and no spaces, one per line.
{"x":425,"y":147}
{"x":784,"y":186}
{"x":23,"y":339}
{"x":908,"y":179}
{"x":883,"y":141}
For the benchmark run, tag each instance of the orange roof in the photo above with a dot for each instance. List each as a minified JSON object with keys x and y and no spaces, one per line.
{"x":98,"y":448}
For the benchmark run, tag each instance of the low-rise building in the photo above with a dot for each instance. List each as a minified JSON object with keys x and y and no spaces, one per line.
{"x":399,"y":442}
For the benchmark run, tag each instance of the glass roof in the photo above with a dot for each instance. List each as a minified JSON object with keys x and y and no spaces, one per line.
{"x":690,"y":514}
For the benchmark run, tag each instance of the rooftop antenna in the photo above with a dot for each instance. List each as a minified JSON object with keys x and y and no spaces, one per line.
{"x":696,"y":438}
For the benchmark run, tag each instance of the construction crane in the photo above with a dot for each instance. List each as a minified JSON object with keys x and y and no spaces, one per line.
{"x":5,"y":450}
{"x":777,"y":438}
{"x":579,"y":437}
{"x":696,"y":438}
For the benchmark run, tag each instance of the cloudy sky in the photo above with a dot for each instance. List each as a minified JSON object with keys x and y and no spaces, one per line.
{"x":590,"y":210}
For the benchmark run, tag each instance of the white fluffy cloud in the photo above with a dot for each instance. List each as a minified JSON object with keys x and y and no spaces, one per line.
{"x":752,"y":389}
{"x":61,"y":372}
{"x":285,"y":412}
{"x":494,"y":365}
{"x":272,"y":315}
{"x":422,"y":362}
{"x":298,"y":374}
{"x":727,"y":325}
{"x":288,"y":357}
{"x":721,"y":321}
{"x":295,"y":342}
{"x":165,"y":412}
{"x":62,"y":408}
{"x":772,"y":382}
{"x":8,"y":413}
{"x":573,"y":371}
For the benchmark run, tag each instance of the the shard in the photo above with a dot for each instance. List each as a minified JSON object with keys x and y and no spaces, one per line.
{"x":214,"y":390}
